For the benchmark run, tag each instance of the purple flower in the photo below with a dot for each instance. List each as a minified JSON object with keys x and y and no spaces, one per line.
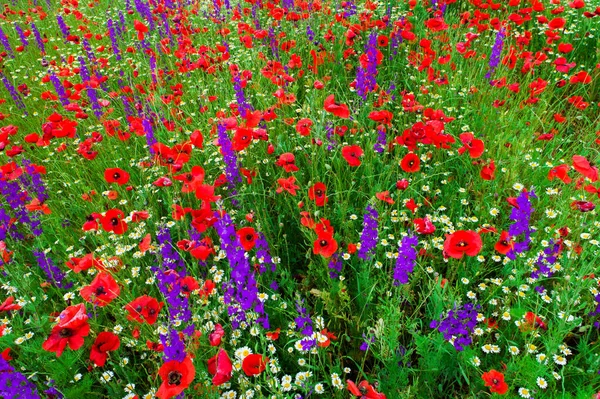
{"x":14,"y":385}
{"x":368,"y":237}
{"x":407,"y":255}
{"x":241,"y":292}
{"x":232,"y":171}
{"x":63,"y":26}
{"x":13,"y":91}
{"x":38,"y":38}
{"x":335,"y":266}
{"x":113,"y":39}
{"x":521,"y":216}
{"x":458,"y":325}
{"x":6,"y":43}
{"x":496,"y":53}
{"x":53,"y":273}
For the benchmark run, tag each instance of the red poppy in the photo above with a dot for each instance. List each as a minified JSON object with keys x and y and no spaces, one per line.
{"x":424,"y":226}
{"x":102,"y":290}
{"x":247,"y":237}
{"x":214,"y":338}
{"x":352,"y":154}
{"x":488,"y":171}
{"x":504,"y":244}
{"x":254,"y":364}
{"x":410,"y":163}
{"x":176,"y":376}
{"x":561,"y":172}
{"x":140,"y":28}
{"x":287,"y":162}
{"x":382,"y":117}
{"x":303,"y":126}
{"x":385,"y":196}
{"x":220,"y":367}
{"x":144,"y":308}
{"x":471,"y":144}
{"x":495,"y":380}
{"x":203,"y":249}
{"x":8,"y":305}
{"x":318,"y":193}
{"x":583,"y":166}
{"x":105,"y":341}
{"x":191,"y":180}
{"x":273,"y":335}
{"x":364,"y":390}
{"x":70,"y":330}
{"x":462,"y":242}
{"x":339,"y":110}
{"x":188,"y":285}
{"x":241,"y":139}
{"x":116,"y":175}
{"x":325,"y":245}
{"x":287,"y":185}
{"x":532,"y":321}
{"x":112,"y":221}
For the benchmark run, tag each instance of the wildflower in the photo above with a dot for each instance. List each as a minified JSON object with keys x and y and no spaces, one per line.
{"x":70,"y":330}
{"x":405,"y":263}
{"x":105,"y":342}
{"x":220,"y":367}
{"x":176,"y":376}
{"x":524,"y":393}
{"x":462,"y":242}
{"x":495,"y":380}
{"x":254,"y":364}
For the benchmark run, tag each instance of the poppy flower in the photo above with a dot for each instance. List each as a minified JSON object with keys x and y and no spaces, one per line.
{"x":410,"y":163}
{"x":583,"y":206}
{"x":352,"y":154}
{"x":214,"y":338}
{"x":287,"y":185}
{"x":203,"y":249}
{"x":112,"y":221}
{"x":254,"y":364}
{"x":247,"y":237}
{"x":287,"y":162}
{"x":273,"y":335}
{"x":220,"y":367}
{"x":488,"y":171}
{"x":385,"y":196}
{"x":191,"y":180}
{"x":176,"y":376}
{"x":583,"y":166}
{"x":339,"y":110}
{"x":325,"y":245}
{"x":471,"y":144}
{"x":533,"y":321}
{"x":495,"y":380}
{"x":561,"y":172}
{"x":71,"y":328}
{"x":105,"y":341}
{"x":144,"y":309}
{"x":317,"y":192}
{"x":462,"y":242}
{"x":303,"y":127}
{"x":188,"y":285}
{"x":116,"y":175}
{"x":504,"y":244}
{"x":102,"y":290}
{"x":424,"y":226}
{"x":8,"y":305}
{"x":140,"y":29}
{"x":364,"y":390}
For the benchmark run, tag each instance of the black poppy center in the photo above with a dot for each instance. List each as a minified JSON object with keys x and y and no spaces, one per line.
{"x":114,"y":221}
{"x":117,"y":176}
{"x":65,"y":333}
{"x":174,"y":377}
